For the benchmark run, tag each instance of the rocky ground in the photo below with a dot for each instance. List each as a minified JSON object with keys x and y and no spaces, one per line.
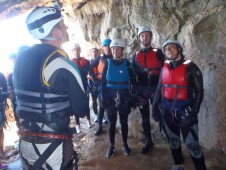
{"x":92,"y":150}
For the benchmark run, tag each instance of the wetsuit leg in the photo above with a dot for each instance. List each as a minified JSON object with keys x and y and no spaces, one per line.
{"x":173,"y":135}
{"x":94,"y":100}
{"x":112,"y":118}
{"x":190,"y":136}
{"x":123,"y":116}
{"x":145,"y":114}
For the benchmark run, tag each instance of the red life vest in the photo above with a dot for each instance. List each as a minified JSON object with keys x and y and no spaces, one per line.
{"x":150,"y":64}
{"x":81,"y":62}
{"x":174,"y":82}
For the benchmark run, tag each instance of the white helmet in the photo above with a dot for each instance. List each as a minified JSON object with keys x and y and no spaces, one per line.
{"x":117,"y":43}
{"x":170,"y":41}
{"x":94,"y":47}
{"x":144,"y":29}
{"x":76,"y":45}
{"x":41,"y":21}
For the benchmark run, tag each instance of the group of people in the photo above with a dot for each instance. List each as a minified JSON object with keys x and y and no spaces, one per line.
{"x":51,"y":88}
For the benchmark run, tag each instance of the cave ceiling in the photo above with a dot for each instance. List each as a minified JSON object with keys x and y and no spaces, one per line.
{"x":12,"y":8}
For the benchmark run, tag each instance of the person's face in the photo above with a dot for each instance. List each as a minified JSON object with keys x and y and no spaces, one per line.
{"x":145,"y":38}
{"x":94,"y":53}
{"x":107,"y":50}
{"x":117,"y":52}
{"x":76,"y":52}
{"x":171,"y":51}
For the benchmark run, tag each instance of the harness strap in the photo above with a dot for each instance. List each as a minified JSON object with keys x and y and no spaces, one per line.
{"x":44,"y":135}
{"x":46,"y":154}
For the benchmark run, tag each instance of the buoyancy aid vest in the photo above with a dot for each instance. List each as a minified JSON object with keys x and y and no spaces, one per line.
{"x":174,"y":82}
{"x":37,"y":101}
{"x":100,"y":68}
{"x":117,"y":76}
{"x":81,"y":62}
{"x":148,"y":62}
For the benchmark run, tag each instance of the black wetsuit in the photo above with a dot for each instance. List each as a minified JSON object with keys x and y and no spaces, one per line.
{"x":117,"y":95}
{"x":147,"y":85}
{"x":173,"y":125}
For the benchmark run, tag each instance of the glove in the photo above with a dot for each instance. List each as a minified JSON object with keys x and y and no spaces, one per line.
{"x":156,"y":114}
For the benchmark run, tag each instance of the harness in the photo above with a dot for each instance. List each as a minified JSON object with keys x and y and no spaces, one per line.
{"x":33,"y":138}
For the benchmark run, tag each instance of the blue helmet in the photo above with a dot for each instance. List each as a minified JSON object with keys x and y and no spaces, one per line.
{"x":106,"y":42}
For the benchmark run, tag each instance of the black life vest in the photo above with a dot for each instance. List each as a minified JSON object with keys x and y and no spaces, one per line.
{"x":37,"y":101}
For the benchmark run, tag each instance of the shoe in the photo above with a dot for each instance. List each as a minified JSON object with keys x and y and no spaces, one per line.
{"x":174,"y":167}
{"x":89,"y":125}
{"x":3,"y":166}
{"x":149,"y":145}
{"x":126,"y":150}
{"x":78,"y":130}
{"x":110,"y":152}
{"x":99,"y":131}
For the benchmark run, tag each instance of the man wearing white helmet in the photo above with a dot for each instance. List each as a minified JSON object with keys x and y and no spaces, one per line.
{"x":147,"y":63}
{"x":47,"y":86}
{"x":117,"y":78}
{"x":83,"y":65}
{"x":180,"y":90}
{"x":94,"y":52}
{"x":98,"y":65}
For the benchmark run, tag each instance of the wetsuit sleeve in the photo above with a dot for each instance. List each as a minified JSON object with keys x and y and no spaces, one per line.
{"x":158,"y":96}
{"x":134,"y":63}
{"x":10,"y":81}
{"x":3,"y":86}
{"x":67,"y":77}
{"x":132,"y":75}
{"x":91,"y":68}
{"x":195,"y":80}
{"x":160,"y":56}
{"x":78,"y":100}
{"x":3,"y":83}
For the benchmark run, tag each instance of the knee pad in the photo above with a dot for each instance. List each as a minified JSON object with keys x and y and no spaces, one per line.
{"x":195,"y":150}
{"x":174,"y":143}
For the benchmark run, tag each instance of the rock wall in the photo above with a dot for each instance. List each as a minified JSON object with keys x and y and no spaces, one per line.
{"x":200,"y":25}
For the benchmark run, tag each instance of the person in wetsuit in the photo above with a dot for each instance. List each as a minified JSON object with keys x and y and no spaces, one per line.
{"x":147,"y":63}
{"x":47,"y":85}
{"x":98,"y":63}
{"x":117,"y":78}
{"x":180,"y":94}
